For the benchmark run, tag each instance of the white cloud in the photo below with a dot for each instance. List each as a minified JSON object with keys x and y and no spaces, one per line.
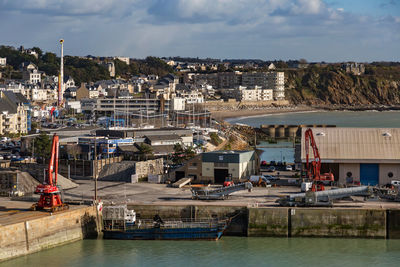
{"x":217,"y":28}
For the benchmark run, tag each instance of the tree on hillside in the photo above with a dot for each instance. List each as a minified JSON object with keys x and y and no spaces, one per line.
{"x":121,"y":68}
{"x":38,"y":51}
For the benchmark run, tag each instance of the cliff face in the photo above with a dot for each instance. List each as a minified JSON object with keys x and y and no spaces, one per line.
{"x":326,"y":86}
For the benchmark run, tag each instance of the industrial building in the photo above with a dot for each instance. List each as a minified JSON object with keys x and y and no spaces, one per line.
{"x":370,"y":156}
{"x":217,"y":165}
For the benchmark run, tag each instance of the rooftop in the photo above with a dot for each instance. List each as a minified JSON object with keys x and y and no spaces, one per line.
{"x":358,"y":145}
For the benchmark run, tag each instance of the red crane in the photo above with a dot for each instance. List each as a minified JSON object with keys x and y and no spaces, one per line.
{"x":314,"y":167}
{"x":50,"y":198}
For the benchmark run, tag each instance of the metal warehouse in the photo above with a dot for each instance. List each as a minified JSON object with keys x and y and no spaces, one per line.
{"x":367,"y":155}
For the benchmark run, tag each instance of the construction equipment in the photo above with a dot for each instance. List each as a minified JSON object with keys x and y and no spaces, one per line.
{"x":50,"y":198}
{"x":391,"y":193}
{"x":314,"y":167}
{"x":208,"y":193}
{"x":228,"y":180}
{"x":324,"y":198}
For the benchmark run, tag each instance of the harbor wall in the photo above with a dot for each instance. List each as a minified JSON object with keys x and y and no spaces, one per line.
{"x":33,"y":235}
{"x":238,"y":226}
{"x":55,"y":229}
{"x":289,"y":222}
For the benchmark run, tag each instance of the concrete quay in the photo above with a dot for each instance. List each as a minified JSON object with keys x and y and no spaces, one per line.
{"x":23,"y":232}
{"x":255,"y":221}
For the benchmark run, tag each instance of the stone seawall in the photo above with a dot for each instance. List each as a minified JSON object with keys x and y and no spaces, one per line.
{"x":45,"y":232}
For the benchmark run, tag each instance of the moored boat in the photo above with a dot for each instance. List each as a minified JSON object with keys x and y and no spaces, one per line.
{"x":121,"y":223}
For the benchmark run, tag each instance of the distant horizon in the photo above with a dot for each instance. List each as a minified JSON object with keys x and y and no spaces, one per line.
{"x":200,"y":58}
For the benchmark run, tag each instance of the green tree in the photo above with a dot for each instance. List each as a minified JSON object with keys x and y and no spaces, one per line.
{"x":42,"y":146}
{"x":182,"y":153}
{"x":145,"y":151}
{"x":38,"y":51}
{"x":121,"y":68}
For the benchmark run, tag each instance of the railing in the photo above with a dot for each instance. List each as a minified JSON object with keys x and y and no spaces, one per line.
{"x":170,"y":224}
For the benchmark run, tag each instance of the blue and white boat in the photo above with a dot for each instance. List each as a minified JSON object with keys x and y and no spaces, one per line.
{"x":121,"y":223}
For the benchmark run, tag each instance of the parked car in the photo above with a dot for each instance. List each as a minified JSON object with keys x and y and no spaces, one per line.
{"x":289,"y":168}
{"x":271,"y":169}
{"x":271,"y":178}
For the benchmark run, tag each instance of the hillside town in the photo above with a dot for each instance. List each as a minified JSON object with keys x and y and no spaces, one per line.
{"x":78,"y":133}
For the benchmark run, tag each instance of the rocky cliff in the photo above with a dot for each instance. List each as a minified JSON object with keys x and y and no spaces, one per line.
{"x":380,"y":85}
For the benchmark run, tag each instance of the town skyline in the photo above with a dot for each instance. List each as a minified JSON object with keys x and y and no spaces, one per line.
{"x":331,"y":31}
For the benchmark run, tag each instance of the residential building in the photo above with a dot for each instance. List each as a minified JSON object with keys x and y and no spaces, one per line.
{"x":125,"y":104}
{"x":369,"y":156}
{"x":32,"y":75}
{"x":123,"y":59}
{"x":87,"y":91}
{"x":13,"y":113}
{"x":3,"y":61}
{"x":75,"y":105}
{"x":256,"y":94}
{"x":68,"y":82}
{"x":354,"y":68}
{"x":110,"y":66}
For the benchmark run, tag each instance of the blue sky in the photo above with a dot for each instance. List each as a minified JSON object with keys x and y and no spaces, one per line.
{"x":317,"y":30}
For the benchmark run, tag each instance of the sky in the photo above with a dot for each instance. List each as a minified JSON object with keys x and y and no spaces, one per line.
{"x":316,"y":30}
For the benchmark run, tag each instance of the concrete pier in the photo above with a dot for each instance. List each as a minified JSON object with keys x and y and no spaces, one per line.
{"x":34,"y":231}
{"x":27,"y":231}
{"x":289,"y":222}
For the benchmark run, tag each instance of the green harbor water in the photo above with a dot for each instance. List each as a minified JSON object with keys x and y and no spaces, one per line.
{"x":229,"y":251}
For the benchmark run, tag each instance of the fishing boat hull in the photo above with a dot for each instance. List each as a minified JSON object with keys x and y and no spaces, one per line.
{"x":165,"y":234}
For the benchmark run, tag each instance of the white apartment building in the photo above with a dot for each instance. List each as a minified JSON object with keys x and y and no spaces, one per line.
{"x":3,"y":61}
{"x":192,"y":97}
{"x":123,"y":59}
{"x":271,"y":80}
{"x":256,"y":94}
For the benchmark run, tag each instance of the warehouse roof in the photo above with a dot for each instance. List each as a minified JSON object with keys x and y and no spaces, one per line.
{"x":355,"y":145}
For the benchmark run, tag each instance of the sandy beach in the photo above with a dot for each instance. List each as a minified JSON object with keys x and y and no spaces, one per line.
{"x":228,"y":114}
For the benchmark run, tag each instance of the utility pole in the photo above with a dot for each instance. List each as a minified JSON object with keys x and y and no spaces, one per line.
{"x":95,"y":169}
{"x":61,"y":80}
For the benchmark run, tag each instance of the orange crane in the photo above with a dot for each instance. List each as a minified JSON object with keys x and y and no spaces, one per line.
{"x":50,"y":198}
{"x":314,"y":167}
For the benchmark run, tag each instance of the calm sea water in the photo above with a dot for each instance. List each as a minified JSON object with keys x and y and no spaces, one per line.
{"x":390,"y":119}
{"x":339,"y":118}
{"x":229,"y":251}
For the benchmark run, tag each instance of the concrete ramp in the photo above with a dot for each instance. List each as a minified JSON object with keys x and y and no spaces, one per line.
{"x":181,"y":182}
{"x":117,"y":172}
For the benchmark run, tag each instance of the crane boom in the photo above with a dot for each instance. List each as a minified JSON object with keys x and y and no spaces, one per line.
{"x":50,"y":198}
{"x":314,"y":167}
